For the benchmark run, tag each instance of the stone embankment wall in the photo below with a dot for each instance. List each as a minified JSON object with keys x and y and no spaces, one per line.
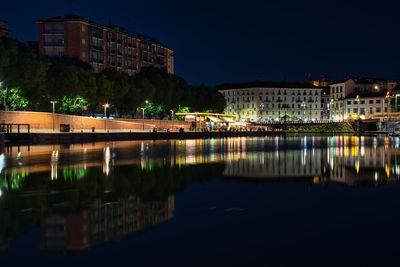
{"x":43,"y":121}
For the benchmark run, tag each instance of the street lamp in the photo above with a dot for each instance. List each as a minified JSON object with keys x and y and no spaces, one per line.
{"x":54,"y":103}
{"x":387,"y":106}
{"x":143,"y":116}
{"x":105,"y":115}
{"x":358,"y":105}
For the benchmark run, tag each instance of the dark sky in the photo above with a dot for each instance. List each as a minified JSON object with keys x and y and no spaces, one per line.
{"x":229,"y":41}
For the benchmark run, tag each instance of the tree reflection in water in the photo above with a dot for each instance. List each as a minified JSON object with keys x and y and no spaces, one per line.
{"x":87,"y":194}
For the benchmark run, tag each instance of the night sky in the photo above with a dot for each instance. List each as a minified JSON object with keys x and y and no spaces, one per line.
{"x":237,"y":41}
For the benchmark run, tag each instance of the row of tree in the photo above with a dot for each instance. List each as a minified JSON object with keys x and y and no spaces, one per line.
{"x":29,"y":82}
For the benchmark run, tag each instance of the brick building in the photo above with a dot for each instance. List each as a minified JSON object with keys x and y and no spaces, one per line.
{"x":4,"y":30}
{"x":102,"y":46}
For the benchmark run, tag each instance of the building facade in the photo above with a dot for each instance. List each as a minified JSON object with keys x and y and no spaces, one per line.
{"x":102,"y":46}
{"x":264,"y":101}
{"x":4,"y":30}
{"x":360,"y":96}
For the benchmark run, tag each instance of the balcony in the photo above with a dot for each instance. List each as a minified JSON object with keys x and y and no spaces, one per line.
{"x":98,"y":35}
{"x":97,"y":60}
{"x":131,"y":57}
{"x":53,"y":31}
{"x":97,"y":47}
{"x":53,"y":44}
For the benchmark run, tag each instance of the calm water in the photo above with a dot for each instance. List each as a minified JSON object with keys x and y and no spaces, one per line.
{"x":313,"y":201}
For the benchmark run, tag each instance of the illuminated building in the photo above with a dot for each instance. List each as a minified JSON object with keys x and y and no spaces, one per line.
{"x":344,"y":92}
{"x":4,"y":30}
{"x":264,"y":101}
{"x":102,"y":46}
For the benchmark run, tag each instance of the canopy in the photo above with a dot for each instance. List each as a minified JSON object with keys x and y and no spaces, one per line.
{"x":228,"y":119}
{"x":214,"y":119}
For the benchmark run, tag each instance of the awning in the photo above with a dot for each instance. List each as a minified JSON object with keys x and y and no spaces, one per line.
{"x":228,"y":120}
{"x":215,"y":119}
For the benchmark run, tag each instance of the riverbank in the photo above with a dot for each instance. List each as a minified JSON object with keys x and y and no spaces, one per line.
{"x":39,"y":138}
{"x":65,"y":138}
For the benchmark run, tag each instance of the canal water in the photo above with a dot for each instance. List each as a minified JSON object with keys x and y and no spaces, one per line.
{"x":273,"y":201}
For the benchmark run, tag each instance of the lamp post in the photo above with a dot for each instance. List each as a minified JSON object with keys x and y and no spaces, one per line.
{"x":172,"y":115}
{"x":105,"y":115}
{"x":143,"y":117}
{"x":54,"y":103}
{"x":358,"y":105}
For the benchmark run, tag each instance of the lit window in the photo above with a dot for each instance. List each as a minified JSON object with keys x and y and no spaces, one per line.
{"x":83,"y":41}
{"x":83,"y":28}
{"x":84,"y":54}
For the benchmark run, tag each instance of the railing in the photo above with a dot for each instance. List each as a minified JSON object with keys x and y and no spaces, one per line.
{"x":52,"y":44}
{"x":53,"y":31}
{"x":95,"y":47}
{"x":8,"y":127}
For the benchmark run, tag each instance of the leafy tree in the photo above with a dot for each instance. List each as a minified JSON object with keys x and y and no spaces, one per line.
{"x":74,"y":105}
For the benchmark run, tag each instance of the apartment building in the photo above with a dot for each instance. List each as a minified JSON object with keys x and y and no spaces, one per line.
{"x":102,"y":46}
{"x":4,"y":30}
{"x":359,"y":96}
{"x":266,"y":101}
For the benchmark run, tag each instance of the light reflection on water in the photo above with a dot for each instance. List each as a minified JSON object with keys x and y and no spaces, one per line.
{"x":87,"y":194}
{"x":344,"y":159}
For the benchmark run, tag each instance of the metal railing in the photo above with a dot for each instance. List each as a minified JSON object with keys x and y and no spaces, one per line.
{"x":11,"y":127}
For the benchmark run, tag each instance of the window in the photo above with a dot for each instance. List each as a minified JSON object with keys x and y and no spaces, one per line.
{"x":348,"y":102}
{"x":83,"y":41}
{"x":84,"y":54}
{"x":371,"y":101}
{"x":355,"y":110}
{"x":386,"y":101}
{"x":378,"y":101}
{"x":371,"y":111}
{"x":362,"y":102}
{"x":83,"y":28}
{"x":378,"y":109}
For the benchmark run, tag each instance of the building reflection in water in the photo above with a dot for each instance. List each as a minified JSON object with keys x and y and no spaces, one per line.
{"x":343,"y":159}
{"x":102,"y":222}
{"x":350,"y":160}
{"x":354,"y":162}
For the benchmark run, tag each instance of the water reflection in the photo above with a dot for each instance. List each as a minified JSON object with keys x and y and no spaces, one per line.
{"x":87,"y":194}
{"x":102,"y":222}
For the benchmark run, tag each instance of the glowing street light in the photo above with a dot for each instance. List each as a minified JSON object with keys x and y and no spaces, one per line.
{"x":105,"y":115}
{"x":143,"y":116}
{"x":358,"y":105}
{"x":147,"y":101}
{"x":54,"y":105}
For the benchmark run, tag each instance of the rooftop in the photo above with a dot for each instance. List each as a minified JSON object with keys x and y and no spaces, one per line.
{"x":363,"y":80}
{"x":118,"y":29}
{"x":266,"y":84}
